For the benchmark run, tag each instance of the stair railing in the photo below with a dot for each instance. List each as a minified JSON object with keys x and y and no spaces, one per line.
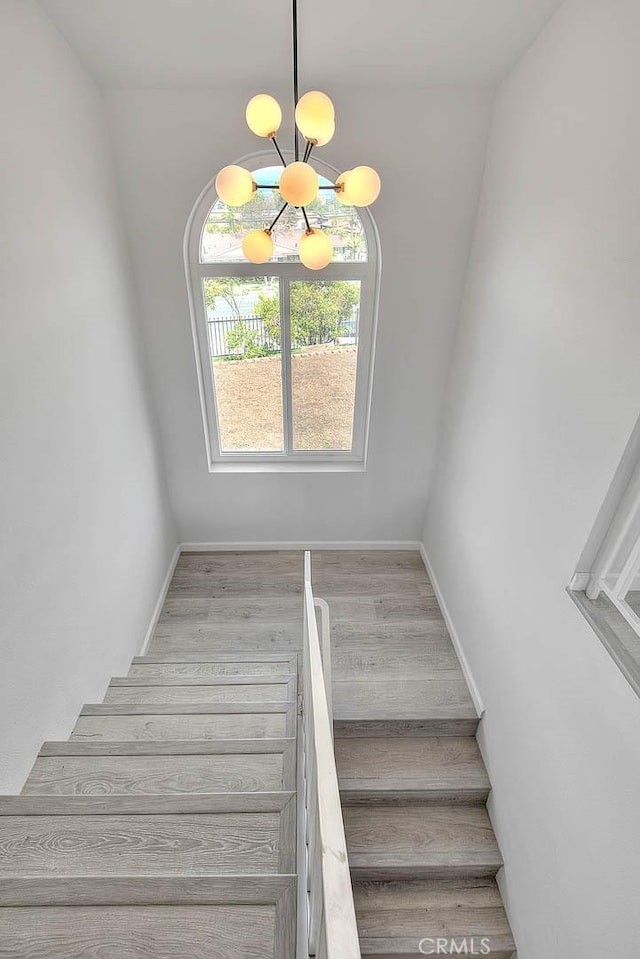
{"x":326,"y":913}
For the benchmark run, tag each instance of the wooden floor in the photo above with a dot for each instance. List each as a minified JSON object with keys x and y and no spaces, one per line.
{"x":422,"y":851}
{"x":393,"y":662}
{"x":165,"y":826}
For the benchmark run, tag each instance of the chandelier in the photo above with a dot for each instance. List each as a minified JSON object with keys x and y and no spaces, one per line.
{"x":299,"y":184}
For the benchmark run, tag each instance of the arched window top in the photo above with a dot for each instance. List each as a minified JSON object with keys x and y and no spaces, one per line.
{"x":224,"y":226}
{"x":284,"y":354}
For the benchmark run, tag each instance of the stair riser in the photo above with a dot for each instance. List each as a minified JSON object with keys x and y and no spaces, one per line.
{"x":395,"y":873}
{"x":265,"y":693}
{"x":363,"y":729}
{"x":223,"y":671}
{"x":458,"y":797}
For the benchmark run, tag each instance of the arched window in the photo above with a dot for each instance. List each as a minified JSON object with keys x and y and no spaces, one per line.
{"x":284,"y":353}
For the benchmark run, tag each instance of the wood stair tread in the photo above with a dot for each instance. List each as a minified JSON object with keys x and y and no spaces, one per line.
{"x":432,"y":769}
{"x":110,"y":722}
{"x":156,"y":690}
{"x":190,"y":636}
{"x":139,"y":932}
{"x":194,"y":681}
{"x":268,"y":657}
{"x":419,"y":840}
{"x":393,"y":917}
{"x":153,"y":835}
{"x":445,"y":695}
{"x":203,"y":917}
{"x":205,"y":747}
{"x":173,"y":774}
{"x":168,"y":667}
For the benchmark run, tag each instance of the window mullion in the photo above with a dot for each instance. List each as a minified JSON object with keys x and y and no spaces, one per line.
{"x":285,"y":357}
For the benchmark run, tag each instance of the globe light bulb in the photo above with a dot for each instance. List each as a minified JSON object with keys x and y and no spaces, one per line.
{"x":314,"y":115}
{"x":299,"y":184}
{"x":325,"y":134}
{"x":315,"y":249}
{"x":264,"y":115}
{"x":361,"y":186}
{"x":257,"y":246}
{"x":234,"y":185}
{"x":340,"y":191}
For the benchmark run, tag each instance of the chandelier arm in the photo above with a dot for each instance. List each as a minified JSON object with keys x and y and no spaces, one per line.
{"x":306,"y":218}
{"x":296,"y":147}
{"x":309,"y":148}
{"x":278,"y":150}
{"x":277,"y":217}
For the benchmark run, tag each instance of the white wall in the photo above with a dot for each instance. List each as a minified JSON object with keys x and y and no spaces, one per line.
{"x":429,"y":147}
{"x":85,"y":536}
{"x":542,"y":398}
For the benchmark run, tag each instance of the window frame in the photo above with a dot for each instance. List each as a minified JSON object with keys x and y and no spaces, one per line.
{"x":610,"y":565}
{"x":367,"y":273}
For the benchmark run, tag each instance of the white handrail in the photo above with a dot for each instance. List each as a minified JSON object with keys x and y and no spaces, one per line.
{"x":326,"y":912}
{"x":325,"y":635}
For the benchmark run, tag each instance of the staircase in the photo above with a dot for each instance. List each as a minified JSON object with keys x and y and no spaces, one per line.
{"x":413,"y":785}
{"x":165,"y":827}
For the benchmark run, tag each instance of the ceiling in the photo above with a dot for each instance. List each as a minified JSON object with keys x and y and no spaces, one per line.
{"x":204,"y":43}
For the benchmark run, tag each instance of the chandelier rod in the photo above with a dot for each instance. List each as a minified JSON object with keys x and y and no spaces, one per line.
{"x":279,"y":151}
{"x":273,"y":222}
{"x":295,"y":75}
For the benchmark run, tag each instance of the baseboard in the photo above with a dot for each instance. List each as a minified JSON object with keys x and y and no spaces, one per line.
{"x":390,"y":544}
{"x":157,"y":609}
{"x":455,"y":639}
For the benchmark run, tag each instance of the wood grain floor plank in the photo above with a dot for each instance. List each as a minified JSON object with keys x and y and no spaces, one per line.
{"x":186,"y":637}
{"x":446,"y":694}
{"x":337,"y":583}
{"x":144,"y":890}
{"x":224,"y":843}
{"x":223,"y":659}
{"x":417,"y":841}
{"x":352,"y":560}
{"x":192,"y":804}
{"x":258,"y":683}
{"x":434,"y":725}
{"x":279,"y":609}
{"x":179,"y":748}
{"x":198,"y":693}
{"x":221,"y":587}
{"x":391,"y":650}
{"x":180,"y":726}
{"x":394,"y":917}
{"x":155,"y":775}
{"x":137,"y":932}
{"x":210,"y":670}
{"x":440,"y":769}
{"x":244,"y":563}
{"x":186,"y":709}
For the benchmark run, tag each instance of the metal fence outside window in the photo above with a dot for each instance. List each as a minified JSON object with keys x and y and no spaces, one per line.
{"x":219,"y":328}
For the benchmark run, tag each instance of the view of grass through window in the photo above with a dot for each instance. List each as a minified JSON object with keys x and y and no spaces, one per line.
{"x":244,"y":331}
